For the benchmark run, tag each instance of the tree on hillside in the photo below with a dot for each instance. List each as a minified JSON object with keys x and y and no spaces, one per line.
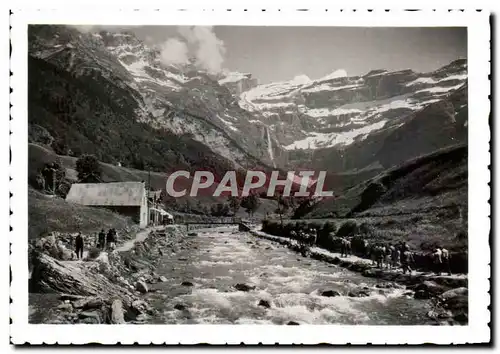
{"x":251,"y":203}
{"x":89,"y":169}
{"x":52,"y":178}
{"x":234,"y":204}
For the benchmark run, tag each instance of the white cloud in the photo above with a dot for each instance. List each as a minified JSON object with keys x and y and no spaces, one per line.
{"x":174,"y":51}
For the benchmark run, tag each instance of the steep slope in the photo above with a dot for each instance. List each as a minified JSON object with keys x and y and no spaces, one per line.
{"x":82,"y":117}
{"x":182,"y":100}
{"x":427,"y":183}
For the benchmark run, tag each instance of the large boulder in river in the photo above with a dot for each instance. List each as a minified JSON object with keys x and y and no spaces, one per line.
{"x":430,"y":287}
{"x":359,"y":292}
{"x":141,"y":287}
{"x":244,"y":287}
{"x":330,"y":293}
{"x":264,"y":303}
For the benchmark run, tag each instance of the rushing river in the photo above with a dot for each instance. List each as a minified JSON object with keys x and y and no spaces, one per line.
{"x":215,"y":260}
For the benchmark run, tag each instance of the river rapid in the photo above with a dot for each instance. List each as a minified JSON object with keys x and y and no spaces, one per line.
{"x":216,"y":260}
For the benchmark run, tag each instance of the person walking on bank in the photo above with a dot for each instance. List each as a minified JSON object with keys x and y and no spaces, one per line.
{"x":110,"y":243}
{"x":101,"y":240}
{"x":406,"y":259}
{"x":79,"y":246}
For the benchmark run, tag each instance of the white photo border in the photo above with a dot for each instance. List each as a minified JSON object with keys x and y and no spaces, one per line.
{"x":477,"y":331}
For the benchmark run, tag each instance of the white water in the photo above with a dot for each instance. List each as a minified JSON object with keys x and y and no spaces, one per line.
{"x":216,"y":260}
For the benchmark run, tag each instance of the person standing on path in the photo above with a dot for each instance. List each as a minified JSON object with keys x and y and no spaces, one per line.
{"x":101,"y":240}
{"x":110,"y":239}
{"x":79,"y":246}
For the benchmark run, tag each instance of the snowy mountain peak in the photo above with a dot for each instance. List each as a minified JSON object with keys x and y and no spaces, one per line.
{"x":334,"y":75}
{"x":301,"y":80}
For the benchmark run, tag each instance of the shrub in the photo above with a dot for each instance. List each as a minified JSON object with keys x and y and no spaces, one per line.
{"x":323,"y":234}
{"x":366,"y":229}
{"x":349,"y":228}
{"x":88,"y":169}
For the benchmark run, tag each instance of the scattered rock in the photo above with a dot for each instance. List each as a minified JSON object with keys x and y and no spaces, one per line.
{"x":71,"y":297}
{"x":180,"y":307}
{"x":388,"y":285}
{"x":65,"y":307}
{"x":244,"y":287}
{"x":90,"y":317}
{"x":186,"y":283}
{"x":264,"y":303}
{"x":269,"y":248}
{"x":359,"y":292}
{"x":162,"y":279}
{"x":117,"y":313}
{"x":293,"y":323}
{"x":192,"y":234}
{"x":447,"y":295}
{"x":457,"y":303}
{"x":430,"y":287}
{"x":422,"y":295}
{"x":439,"y":314}
{"x":141,"y":287}
{"x":330,"y":293}
{"x":182,"y":259}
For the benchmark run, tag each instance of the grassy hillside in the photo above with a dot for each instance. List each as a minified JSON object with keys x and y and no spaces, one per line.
{"x":423,"y":201}
{"x":47,"y":214}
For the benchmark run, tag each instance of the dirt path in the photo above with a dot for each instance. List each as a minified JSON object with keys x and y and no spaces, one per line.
{"x":141,"y":236}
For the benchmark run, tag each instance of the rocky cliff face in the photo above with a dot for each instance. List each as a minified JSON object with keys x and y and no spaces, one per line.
{"x":338,"y":110}
{"x":341,"y":123}
{"x":179,"y":99}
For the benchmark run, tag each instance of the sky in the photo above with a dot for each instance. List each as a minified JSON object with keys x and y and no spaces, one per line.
{"x":281,"y":53}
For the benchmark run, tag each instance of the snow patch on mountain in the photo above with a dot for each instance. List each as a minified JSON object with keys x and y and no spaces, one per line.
{"x":229,"y":124}
{"x":233,"y":77}
{"x":324,"y":112}
{"x":328,"y":87}
{"x":334,"y":75}
{"x":433,"y":81}
{"x":325,"y":140}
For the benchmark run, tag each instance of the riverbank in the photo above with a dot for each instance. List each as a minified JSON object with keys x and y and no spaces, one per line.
{"x":450,"y":292}
{"x":109,"y":288}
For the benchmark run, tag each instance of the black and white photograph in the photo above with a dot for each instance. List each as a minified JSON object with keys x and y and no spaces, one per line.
{"x":195,"y":175}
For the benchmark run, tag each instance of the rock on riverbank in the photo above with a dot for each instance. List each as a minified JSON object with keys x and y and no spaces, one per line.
{"x":102,"y":290}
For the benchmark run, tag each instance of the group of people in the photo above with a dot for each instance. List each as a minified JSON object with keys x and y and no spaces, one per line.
{"x":399,"y":255}
{"x":305,"y":239}
{"x":107,"y":240}
{"x":389,"y":256}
